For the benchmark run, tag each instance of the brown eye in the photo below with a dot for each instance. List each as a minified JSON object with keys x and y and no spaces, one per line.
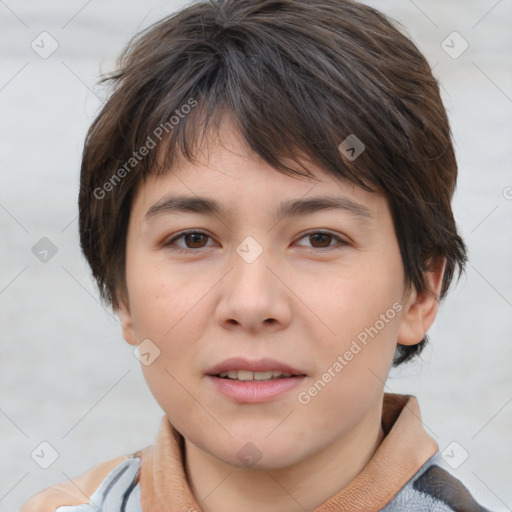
{"x":194,"y":240}
{"x":321,"y":240}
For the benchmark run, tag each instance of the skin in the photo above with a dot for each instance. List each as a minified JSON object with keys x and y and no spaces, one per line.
{"x":302,"y":301}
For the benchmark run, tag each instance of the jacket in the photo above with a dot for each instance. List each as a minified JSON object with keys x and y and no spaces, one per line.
{"x":405,"y":474}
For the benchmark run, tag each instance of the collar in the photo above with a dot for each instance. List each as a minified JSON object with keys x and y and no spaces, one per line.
{"x":405,"y":448}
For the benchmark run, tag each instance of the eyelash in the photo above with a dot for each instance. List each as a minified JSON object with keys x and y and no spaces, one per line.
{"x":194,"y":231}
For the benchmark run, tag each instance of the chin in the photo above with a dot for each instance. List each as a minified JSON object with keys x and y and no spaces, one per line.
{"x":257,"y":452}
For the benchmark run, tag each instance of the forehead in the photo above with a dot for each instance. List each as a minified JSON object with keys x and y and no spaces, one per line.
{"x":227,"y":177}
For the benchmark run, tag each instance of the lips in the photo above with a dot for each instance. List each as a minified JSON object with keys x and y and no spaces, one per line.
{"x":259,"y":366}
{"x":251,"y":382}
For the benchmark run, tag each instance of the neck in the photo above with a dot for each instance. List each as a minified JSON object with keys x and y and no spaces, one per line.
{"x":220,"y":487}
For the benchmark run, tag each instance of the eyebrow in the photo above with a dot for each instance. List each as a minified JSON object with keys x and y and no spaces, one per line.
{"x":290,"y":208}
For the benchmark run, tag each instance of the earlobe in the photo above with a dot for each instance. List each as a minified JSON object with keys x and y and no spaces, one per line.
{"x":123,"y":310}
{"x":420,"y":309}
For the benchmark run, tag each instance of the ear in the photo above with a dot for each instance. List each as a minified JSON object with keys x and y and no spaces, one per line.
{"x":123,"y":310}
{"x":420,"y":309}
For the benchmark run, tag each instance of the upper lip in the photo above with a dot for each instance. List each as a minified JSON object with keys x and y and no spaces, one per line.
{"x":257,"y":365}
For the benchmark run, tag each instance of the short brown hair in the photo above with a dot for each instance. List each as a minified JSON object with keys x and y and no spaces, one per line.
{"x":298,"y":77}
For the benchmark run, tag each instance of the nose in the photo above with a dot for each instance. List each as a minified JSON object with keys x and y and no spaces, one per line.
{"x":254,"y":296}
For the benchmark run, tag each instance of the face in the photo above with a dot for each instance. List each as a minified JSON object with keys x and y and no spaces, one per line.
{"x":308,"y":305}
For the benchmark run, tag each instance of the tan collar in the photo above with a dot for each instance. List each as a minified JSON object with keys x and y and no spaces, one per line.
{"x":406,"y":447}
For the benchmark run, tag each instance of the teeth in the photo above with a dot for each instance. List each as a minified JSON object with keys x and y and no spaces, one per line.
{"x":245,"y":375}
{"x":262,"y":375}
{"x":248,"y":375}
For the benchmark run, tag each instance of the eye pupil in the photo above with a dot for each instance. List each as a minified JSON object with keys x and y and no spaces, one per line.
{"x":320,"y":235}
{"x":196,"y":240}
{"x":194,"y":237}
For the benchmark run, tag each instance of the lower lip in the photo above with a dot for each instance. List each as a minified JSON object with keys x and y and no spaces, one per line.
{"x":254,"y":391}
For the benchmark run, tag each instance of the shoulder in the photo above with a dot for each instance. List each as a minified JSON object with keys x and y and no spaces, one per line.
{"x":112,"y":481}
{"x":434,"y":488}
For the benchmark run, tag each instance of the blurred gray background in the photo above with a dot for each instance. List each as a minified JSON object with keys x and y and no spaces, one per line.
{"x":68,"y":378}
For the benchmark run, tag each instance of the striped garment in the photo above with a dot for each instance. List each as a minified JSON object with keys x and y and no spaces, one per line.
{"x":153,"y":479}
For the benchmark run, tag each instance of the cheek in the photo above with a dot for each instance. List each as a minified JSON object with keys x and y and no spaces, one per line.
{"x":166,"y":308}
{"x":161,"y":298}
{"x":172,"y":307}
{"x":362,"y":308}
{"x":352,"y":304}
